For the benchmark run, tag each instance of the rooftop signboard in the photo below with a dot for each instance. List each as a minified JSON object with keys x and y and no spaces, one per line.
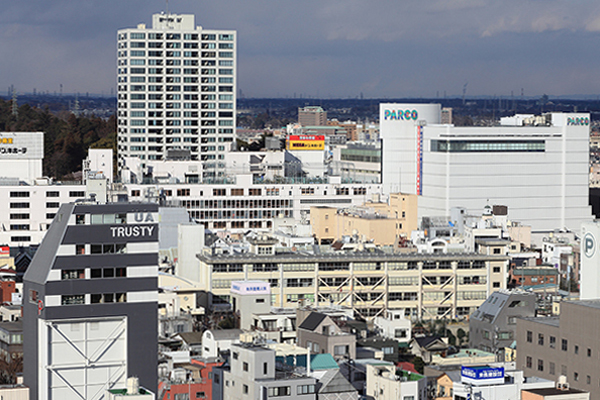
{"x":250,"y":287}
{"x":482,"y":375}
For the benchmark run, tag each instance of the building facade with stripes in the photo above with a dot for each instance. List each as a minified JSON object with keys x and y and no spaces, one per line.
{"x":91,"y":302}
{"x":426,"y":286}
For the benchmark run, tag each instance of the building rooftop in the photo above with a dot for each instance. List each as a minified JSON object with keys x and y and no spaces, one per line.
{"x":587,"y":303}
{"x":552,"y":321}
{"x":554,"y":391}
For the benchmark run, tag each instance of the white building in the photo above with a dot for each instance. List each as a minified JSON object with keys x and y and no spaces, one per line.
{"x":539,"y":172}
{"x":21,"y":155}
{"x":176,"y":89}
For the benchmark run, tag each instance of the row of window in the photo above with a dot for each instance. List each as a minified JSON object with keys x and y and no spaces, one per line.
{"x":552,"y":369}
{"x":109,"y":248}
{"x":27,"y":216}
{"x":95,"y":273}
{"x":564,"y":343}
{"x":175,"y":36}
{"x":77,"y":299}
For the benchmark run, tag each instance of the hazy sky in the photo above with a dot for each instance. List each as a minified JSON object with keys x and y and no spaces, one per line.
{"x":325,"y":48}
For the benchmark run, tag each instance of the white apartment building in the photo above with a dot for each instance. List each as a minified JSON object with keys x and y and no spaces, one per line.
{"x":176,"y":89}
{"x":241,"y":204}
{"x":540,"y":172}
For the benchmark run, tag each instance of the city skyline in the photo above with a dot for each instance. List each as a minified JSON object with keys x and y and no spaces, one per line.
{"x":328,"y":49}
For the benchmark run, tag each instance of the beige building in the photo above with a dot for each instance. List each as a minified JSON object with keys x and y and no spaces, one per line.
{"x":565,"y":345}
{"x":381,"y":223}
{"x":427,"y":286}
{"x":312,"y":116}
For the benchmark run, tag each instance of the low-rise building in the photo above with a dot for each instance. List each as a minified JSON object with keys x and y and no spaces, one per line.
{"x":320,"y":334}
{"x":493,"y":326}
{"x":386,"y":381}
{"x":394,"y":325}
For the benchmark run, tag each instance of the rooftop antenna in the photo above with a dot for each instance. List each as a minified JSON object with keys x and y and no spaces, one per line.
{"x":464,"y":92}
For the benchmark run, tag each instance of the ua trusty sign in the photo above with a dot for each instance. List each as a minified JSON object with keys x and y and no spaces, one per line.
{"x":482,"y":375}
{"x":131,"y":231}
{"x":400,"y":115}
{"x":250,"y":287}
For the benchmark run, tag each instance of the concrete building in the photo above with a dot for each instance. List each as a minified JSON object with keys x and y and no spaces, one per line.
{"x":253,"y":375}
{"x":215,"y":342}
{"x":565,"y":345}
{"x":90,"y":309}
{"x":394,"y":325}
{"x":176,"y":90}
{"x":319,"y":333}
{"x":424,"y":285}
{"x":312,"y":116}
{"x":357,"y":162}
{"x":493,"y":326}
{"x":386,"y":381}
{"x":539,"y":172}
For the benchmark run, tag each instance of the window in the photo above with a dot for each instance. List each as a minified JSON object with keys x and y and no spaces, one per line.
{"x":52,"y":194}
{"x":237,"y":192}
{"x":576,"y":349}
{"x":280,"y":391}
{"x":19,"y":216}
{"x":19,"y":194}
{"x":23,"y":205}
{"x":588,"y":379}
{"x":589,"y":352}
{"x":265,"y":368}
{"x":76,"y":194}
{"x":19,"y":227}
{"x":540,"y":339}
{"x":564,"y":345}
{"x":73,"y":274}
{"x":245,"y":389}
{"x":551,"y":368}
{"x":529,"y":337}
{"x":552,"y":342}
{"x":72,"y":299}
{"x":20,"y":238}
{"x":183,"y":192}
{"x":496,"y":270}
{"x":528,"y":362}
{"x":245,"y":366}
{"x":576,"y":376}
{"x":540,"y":366}
{"x":201,"y":395}
{"x":305,"y":389}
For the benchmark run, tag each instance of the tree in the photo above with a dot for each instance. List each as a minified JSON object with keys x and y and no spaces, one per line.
{"x":461,"y":334}
{"x":419,"y":364}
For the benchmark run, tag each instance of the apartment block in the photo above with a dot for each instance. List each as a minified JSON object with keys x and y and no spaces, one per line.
{"x":176,"y":89}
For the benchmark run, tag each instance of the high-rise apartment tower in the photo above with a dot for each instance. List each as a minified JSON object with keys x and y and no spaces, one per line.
{"x":176,"y":89}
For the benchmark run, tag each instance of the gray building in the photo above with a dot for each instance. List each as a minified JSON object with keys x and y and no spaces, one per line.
{"x":320,"y":334}
{"x":565,"y":345}
{"x":91,"y":302}
{"x":493,"y":326}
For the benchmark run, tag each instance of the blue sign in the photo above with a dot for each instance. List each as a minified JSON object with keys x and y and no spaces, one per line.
{"x":482,"y":375}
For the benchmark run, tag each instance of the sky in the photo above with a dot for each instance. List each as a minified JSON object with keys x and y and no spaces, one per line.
{"x":325,"y":48}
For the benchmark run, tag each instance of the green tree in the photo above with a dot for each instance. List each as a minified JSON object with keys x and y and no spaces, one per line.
{"x":419,"y":364}
{"x":461,"y":334}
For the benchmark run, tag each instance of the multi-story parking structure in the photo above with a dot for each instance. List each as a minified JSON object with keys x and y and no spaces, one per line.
{"x":424,"y":285}
{"x":176,"y":89}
